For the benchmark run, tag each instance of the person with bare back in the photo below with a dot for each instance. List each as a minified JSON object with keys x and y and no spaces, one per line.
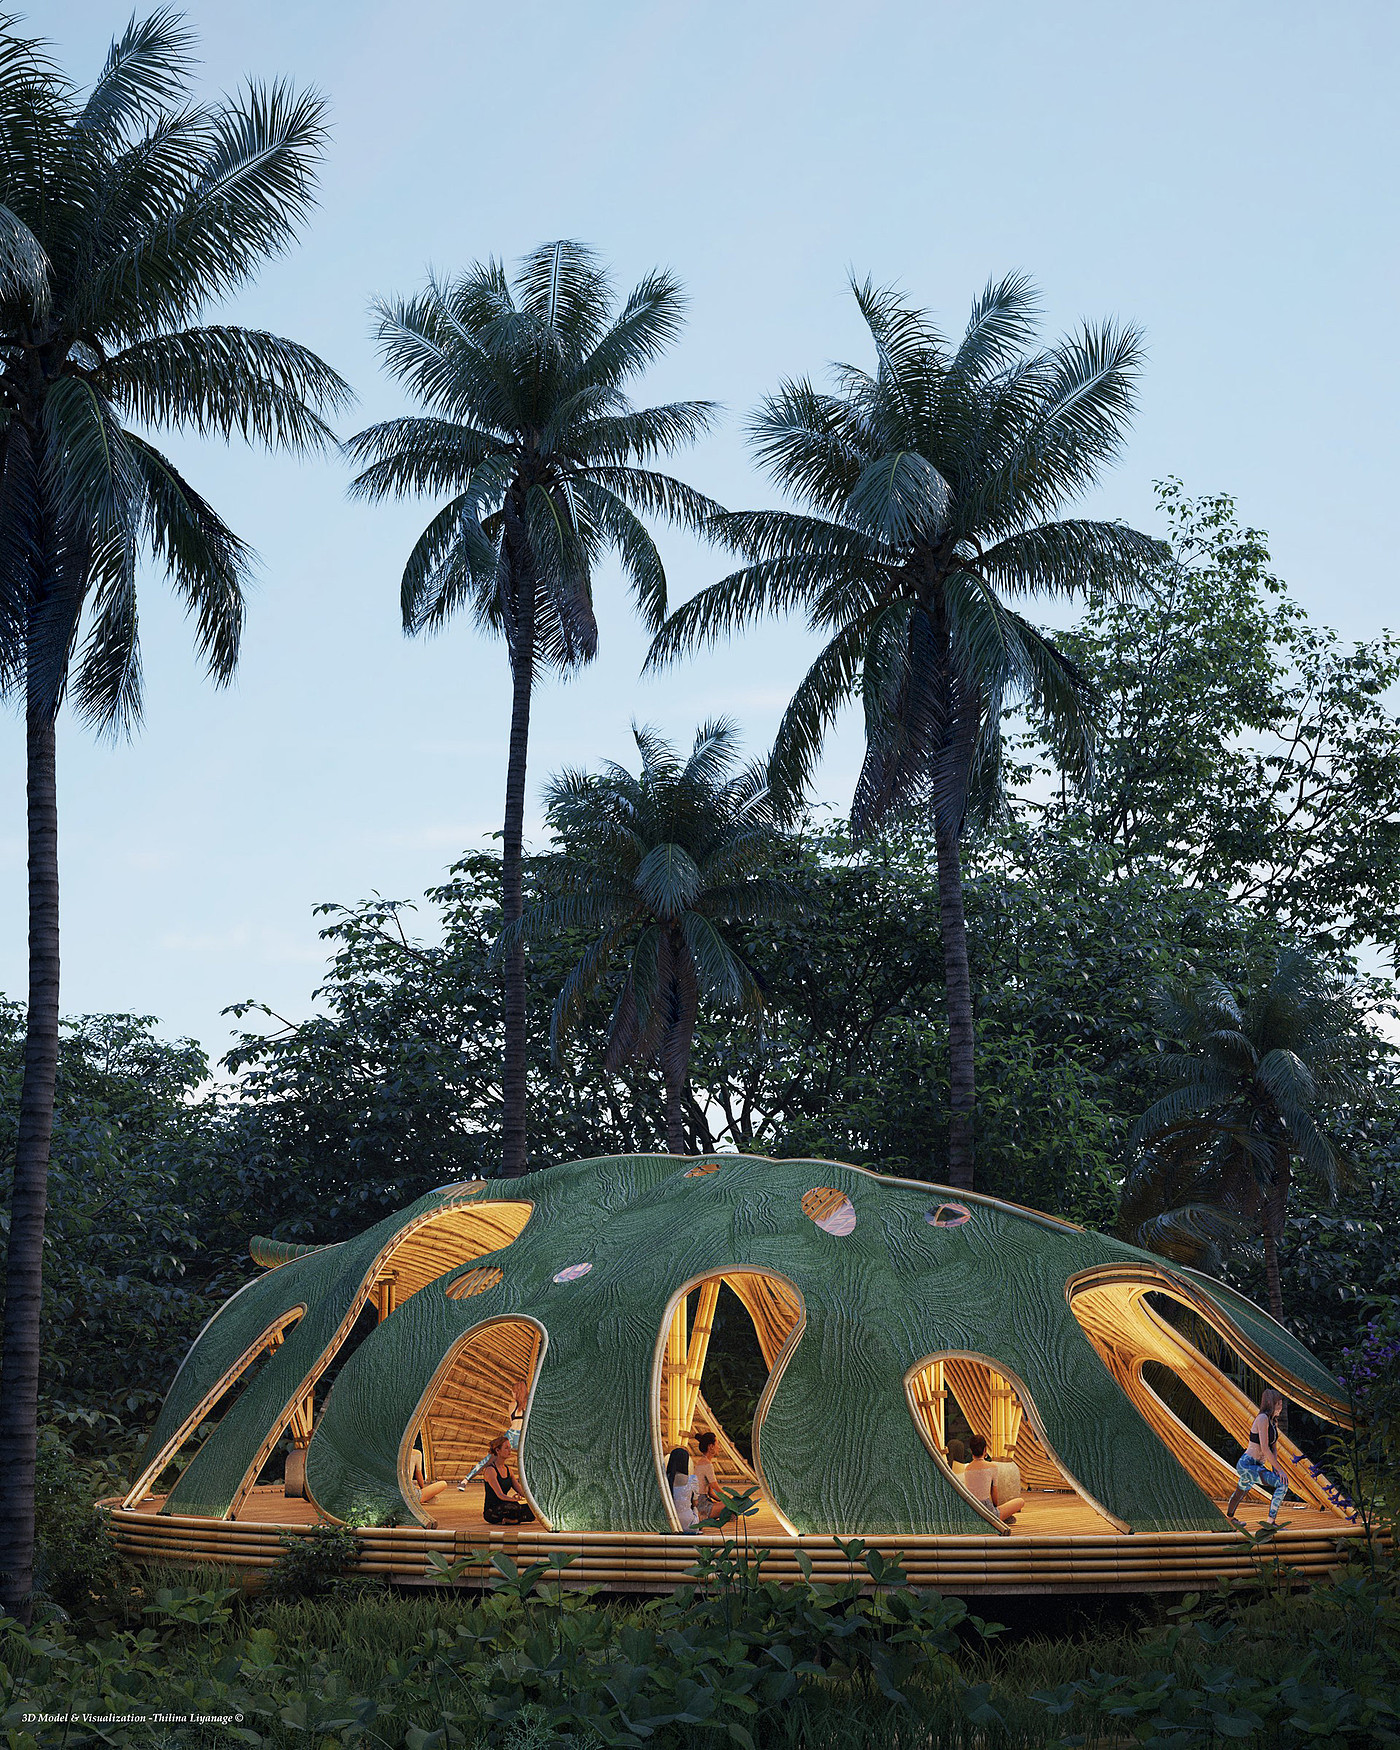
{"x":1258,"y":1467}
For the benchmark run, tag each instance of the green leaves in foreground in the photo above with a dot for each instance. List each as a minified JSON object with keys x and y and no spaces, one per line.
{"x":732,"y":1661}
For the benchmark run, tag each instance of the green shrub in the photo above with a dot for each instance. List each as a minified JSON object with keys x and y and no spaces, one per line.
{"x":76,"y":1567}
{"x":314,"y":1563}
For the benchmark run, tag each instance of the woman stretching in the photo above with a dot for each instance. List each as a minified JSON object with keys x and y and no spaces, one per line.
{"x":1258,"y":1466}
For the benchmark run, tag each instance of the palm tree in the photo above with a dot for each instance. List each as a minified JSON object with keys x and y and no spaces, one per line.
{"x":1217,"y":1151}
{"x":662,"y":867}
{"x":923,"y":488}
{"x":529,"y":434}
{"x":122,"y":216}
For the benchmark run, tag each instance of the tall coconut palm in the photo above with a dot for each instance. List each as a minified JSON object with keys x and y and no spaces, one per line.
{"x":662,"y":867}
{"x":1253,"y":1076}
{"x":924,"y":488}
{"x":122,"y":216}
{"x":528,"y":433}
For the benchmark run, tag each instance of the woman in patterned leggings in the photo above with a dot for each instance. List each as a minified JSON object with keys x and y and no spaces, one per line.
{"x":1258,"y":1466}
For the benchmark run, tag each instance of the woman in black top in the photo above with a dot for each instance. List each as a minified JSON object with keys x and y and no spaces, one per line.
{"x":498,"y":1485}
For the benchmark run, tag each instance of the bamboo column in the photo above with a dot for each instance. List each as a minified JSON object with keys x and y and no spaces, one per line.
{"x":1006,"y":1417}
{"x":699,"y":1348}
{"x":931,"y":1395}
{"x":675,"y":1376}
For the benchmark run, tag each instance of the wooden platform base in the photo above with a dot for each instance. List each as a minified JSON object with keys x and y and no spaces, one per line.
{"x":1057,"y":1545}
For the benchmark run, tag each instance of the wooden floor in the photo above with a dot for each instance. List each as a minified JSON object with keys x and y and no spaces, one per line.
{"x":1057,"y":1545}
{"x":1057,"y":1515}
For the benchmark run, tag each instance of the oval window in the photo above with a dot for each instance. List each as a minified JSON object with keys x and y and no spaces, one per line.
{"x":573,"y":1273}
{"x":948,"y":1215}
{"x":700,"y":1171}
{"x":475,"y":1282}
{"x":833,"y":1211}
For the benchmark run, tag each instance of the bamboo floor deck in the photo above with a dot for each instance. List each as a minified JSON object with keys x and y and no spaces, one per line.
{"x":1058,"y":1545}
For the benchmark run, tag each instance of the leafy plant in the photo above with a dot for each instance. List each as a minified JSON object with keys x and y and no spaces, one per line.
{"x":313,"y":1563}
{"x":1251,"y":1076}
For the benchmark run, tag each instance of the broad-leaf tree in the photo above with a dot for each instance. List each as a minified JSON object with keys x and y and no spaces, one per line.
{"x":924,"y":488}
{"x":529,"y":439}
{"x":661,"y":869}
{"x":1243,"y":745}
{"x":1254,"y":1078}
{"x":123,"y":215}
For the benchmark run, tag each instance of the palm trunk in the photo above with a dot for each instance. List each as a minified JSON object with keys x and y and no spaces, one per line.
{"x":676,"y":1142}
{"x":962,"y":1075}
{"x":1271,"y":1276}
{"x":1275,"y":1219}
{"x":19,"y":1370}
{"x":675,"y":1051}
{"x":513,"y":1085}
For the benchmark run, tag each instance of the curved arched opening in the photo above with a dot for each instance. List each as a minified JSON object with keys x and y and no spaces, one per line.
{"x":961,"y":1389}
{"x":211,"y":1409}
{"x":1195,"y":1409}
{"x":680,"y":1412}
{"x":467,"y":1404}
{"x":438,"y":1240}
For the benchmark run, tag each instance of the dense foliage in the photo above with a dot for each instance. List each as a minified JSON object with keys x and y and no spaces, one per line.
{"x":127,"y":1276}
{"x":730,"y":1659}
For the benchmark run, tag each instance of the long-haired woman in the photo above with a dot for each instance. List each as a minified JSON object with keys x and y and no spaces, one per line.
{"x":1258,"y":1467}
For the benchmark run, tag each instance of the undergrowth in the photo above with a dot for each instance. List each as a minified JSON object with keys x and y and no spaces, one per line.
{"x":728,"y":1660}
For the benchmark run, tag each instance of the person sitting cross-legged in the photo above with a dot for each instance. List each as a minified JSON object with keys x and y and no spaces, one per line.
{"x":980,"y":1479}
{"x":684,"y":1492}
{"x":498,"y":1486}
{"x":708,"y":1501}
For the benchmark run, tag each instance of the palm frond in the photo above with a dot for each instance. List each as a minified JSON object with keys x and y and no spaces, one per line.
{"x":146,"y":74}
{"x":219,"y":381}
{"x":207,"y":563}
{"x":24,"y":267}
{"x":900,"y":498}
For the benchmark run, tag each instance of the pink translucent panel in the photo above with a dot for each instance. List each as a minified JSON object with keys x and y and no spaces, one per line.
{"x":831,"y":1210}
{"x":573,"y":1273}
{"x":948,"y":1215}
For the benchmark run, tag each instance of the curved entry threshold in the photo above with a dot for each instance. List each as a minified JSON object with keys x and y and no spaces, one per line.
{"x":1054,"y":1547}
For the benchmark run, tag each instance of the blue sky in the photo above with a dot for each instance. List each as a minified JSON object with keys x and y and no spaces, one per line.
{"x":1221,"y":174}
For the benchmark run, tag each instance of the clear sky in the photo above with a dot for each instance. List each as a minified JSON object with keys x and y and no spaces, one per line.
{"x":1221,"y":173}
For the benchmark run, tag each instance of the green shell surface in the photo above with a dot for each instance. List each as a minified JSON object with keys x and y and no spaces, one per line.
{"x":840,"y":1450}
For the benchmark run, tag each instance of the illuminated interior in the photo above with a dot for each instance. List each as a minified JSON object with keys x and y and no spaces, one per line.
{"x":1114,"y":1308}
{"x":680,"y":1412}
{"x":469,"y":1403}
{"x":996,"y":1405}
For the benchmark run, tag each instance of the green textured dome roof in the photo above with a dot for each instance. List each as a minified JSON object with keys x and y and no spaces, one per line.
{"x":572,"y":1278}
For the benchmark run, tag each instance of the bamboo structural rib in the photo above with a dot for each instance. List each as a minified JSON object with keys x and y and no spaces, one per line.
{"x":887,"y":1312}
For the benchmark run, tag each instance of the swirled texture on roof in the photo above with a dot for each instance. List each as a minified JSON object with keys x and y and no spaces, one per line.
{"x":837,"y":1446}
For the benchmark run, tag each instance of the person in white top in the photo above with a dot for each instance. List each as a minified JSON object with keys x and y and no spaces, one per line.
{"x":1259,"y":1466}
{"x":980,"y":1479}
{"x":707,"y":1499}
{"x":683,"y":1489}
